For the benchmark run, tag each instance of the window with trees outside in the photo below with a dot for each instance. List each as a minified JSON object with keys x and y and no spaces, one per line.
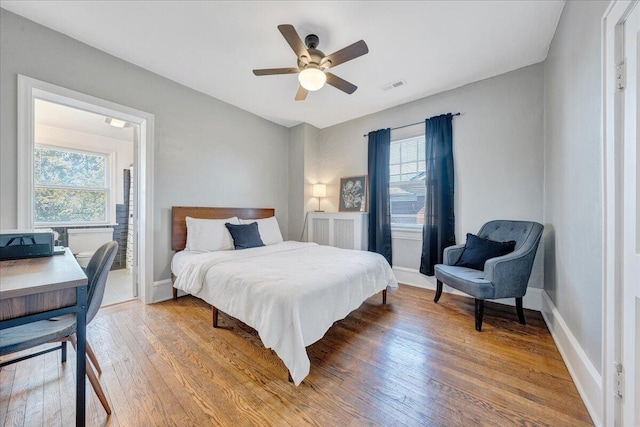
{"x":70,"y":187}
{"x":406,"y":181}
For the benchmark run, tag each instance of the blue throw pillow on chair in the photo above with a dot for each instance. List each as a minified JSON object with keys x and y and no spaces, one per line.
{"x":478,"y":250}
{"x":245,"y":236}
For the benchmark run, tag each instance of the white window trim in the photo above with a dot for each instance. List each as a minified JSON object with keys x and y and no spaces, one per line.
{"x":111,"y":191}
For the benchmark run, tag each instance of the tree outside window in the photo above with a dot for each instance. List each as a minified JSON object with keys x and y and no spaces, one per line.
{"x":70,"y":187}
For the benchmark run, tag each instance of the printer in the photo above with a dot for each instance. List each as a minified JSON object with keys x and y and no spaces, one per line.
{"x":17,"y":244}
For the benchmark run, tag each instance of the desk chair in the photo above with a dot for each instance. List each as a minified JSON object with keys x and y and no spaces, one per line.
{"x":63,"y":329}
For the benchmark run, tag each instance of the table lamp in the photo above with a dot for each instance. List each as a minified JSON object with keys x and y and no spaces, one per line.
{"x":319,"y":191}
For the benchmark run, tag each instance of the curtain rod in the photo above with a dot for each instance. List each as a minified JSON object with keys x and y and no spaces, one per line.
{"x":413,"y":124}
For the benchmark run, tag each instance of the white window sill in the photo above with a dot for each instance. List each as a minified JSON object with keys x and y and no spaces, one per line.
{"x":79,"y":225}
{"x":414,"y":227}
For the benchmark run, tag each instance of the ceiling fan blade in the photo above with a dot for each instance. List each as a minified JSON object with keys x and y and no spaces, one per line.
{"x":271,"y":71}
{"x":347,"y":54}
{"x":302,"y":94}
{"x":341,"y":84}
{"x":291,"y":36}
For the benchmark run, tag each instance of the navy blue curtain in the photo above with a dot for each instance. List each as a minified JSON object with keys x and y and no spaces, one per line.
{"x":379,"y":205}
{"x":438,"y":230}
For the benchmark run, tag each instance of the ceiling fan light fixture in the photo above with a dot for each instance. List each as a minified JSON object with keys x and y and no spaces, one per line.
{"x":312,"y":78}
{"x":312,"y":63}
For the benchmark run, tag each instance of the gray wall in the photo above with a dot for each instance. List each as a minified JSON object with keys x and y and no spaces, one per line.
{"x":296,"y":181}
{"x":574,"y":175}
{"x":498,"y":149}
{"x":207,"y":152}
{"x":303,"y":154}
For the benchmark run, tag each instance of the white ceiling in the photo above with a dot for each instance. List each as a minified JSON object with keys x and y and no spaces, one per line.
{"x":51,"y":114}
{"x":213,"y":46}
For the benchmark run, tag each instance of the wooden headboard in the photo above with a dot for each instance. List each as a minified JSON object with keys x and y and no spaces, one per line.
{"x":179,"y":223}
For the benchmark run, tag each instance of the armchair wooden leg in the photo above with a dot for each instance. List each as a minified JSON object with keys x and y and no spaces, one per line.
{"x":95,"y":383}
{"x":93,"y":379}
{"x":438,"y":291}
{"x":214,"y":314}
{"x":520,"y":310}
{"x":93,"y":358}
{"x":479,"y":314}
{"x":384,"y":296}
{"x":90,"y":354}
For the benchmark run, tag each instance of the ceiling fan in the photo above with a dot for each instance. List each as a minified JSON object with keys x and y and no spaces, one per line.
{"x":312,"y":63}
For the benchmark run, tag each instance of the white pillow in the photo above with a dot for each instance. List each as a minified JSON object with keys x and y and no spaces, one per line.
{"x":268,"y":229}
{"x":207,"y":235}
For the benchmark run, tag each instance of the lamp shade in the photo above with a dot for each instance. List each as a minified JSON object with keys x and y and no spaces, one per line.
{"x":319,"y":190}
{"x":312,"y":78}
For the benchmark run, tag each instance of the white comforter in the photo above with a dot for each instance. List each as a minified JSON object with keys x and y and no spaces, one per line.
{"x":291,"y":292}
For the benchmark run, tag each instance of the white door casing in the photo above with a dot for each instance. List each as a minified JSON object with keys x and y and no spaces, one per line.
{"x":631,"y":226}
{"x":621,"y":233}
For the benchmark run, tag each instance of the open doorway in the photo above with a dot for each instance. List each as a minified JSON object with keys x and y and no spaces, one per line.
{"x":122,"y":208}
{"x":83,"y":187}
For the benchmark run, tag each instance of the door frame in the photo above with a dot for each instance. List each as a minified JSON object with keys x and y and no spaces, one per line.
{"x":612,"y":238}
{"x":30,"y":89}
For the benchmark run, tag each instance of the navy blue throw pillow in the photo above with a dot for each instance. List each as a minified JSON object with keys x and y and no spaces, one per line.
{"x":245,"y":236}
{"x":478,"y":250}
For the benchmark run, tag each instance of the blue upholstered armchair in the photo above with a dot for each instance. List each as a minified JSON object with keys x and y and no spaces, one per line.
{"x":505,"y":276}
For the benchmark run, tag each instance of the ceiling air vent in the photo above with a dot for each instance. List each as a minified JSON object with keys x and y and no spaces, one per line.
{"x":394,"y":85}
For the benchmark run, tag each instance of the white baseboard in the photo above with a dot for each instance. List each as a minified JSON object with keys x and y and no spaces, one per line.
{"x":162,"y":290}
{"x":409,"y":276}
{"x":585,"y":376}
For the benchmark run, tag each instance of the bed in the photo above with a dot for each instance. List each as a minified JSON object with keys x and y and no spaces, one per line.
{"x":291,"y":293}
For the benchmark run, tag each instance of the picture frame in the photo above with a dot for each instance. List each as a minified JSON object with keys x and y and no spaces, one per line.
{"x":353,"y":194}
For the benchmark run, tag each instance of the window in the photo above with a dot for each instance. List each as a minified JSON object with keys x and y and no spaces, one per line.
{"x":407,"y":186}
{"x":70,"y":187}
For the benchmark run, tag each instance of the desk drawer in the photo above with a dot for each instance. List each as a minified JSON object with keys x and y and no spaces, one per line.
{"x":37,"y":303}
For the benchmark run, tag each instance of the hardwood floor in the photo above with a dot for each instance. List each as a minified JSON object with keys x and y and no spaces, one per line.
{"x":411,"y":362}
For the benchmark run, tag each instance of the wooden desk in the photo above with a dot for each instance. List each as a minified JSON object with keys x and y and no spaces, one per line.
{"x":40,"y":288}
